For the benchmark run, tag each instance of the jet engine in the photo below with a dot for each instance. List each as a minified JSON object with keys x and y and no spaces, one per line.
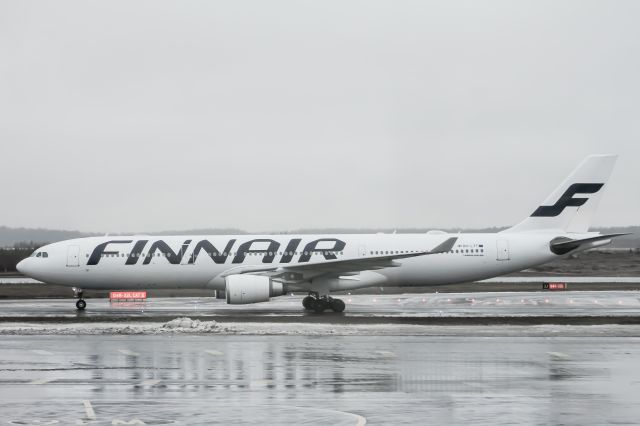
{"x":243,"y":289}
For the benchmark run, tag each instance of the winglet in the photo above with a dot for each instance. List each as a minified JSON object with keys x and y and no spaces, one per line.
{"x":445,"y":246}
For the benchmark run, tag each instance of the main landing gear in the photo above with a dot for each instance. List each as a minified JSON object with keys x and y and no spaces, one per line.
{"x":80,"y":304}
{"x":320,"y":304}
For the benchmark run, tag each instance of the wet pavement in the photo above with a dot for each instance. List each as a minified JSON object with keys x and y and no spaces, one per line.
{"x":338,"y":380}
{"x":358,"y":307}
{"x":273,"y":363}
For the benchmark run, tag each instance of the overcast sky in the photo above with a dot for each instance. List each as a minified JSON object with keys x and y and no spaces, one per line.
{"x":120,"y":116}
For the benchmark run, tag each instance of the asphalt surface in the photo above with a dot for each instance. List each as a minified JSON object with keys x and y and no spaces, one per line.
{"x":387,"y":360}
{"x":337,"y":380}
{"x":459,"y":308}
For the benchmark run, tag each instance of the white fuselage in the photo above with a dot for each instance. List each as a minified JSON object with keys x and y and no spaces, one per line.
{"x":252,"y":268}
{"x":145,"y":262}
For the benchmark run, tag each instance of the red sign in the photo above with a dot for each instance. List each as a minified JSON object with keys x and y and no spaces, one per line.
{"x":554,"y":286}
{"x":127,"y":295}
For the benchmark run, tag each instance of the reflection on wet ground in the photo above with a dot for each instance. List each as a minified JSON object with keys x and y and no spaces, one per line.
{"x":350,"y":380}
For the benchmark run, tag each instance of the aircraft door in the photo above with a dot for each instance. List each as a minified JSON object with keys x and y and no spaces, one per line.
{"x":502,"y":247}
{"x":362,"y":251}
{"x":73,"y":256}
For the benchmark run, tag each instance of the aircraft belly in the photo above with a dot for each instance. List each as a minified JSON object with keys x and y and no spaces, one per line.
{"x":136,"y":277}
{"x":426,"y":272}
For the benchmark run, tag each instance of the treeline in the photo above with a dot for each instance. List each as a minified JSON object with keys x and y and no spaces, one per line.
{"x":11,"y":256}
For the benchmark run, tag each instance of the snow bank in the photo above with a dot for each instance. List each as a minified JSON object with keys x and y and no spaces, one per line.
{"x":185,"y":325}
{"x":178,"y":325}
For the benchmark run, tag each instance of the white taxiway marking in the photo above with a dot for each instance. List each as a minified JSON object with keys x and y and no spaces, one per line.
{"x":128,"y":352}
{"x":150,"y":383}
{"x":558,"y":355}
{"x":41,"y":352}
{"x":41,"y":381}
{"x":88,"y":409}
{"x":360,"y":420}
{"x":213,"y":352}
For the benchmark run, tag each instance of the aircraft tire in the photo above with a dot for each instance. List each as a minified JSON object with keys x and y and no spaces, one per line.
{"x":81,"y":304}
{"x":337,"y":305}
{"x":307,"y":302}
{"x":319,"y":306}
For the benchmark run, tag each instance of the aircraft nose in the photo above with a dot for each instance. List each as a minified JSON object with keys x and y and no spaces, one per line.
{"x":22,"y":267}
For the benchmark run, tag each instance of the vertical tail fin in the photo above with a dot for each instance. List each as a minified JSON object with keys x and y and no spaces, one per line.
{"x":572,"y":205}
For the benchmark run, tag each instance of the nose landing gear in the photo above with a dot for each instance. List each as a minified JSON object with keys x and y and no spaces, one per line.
{"x":321,"y":304}
{"x":80,"y":304}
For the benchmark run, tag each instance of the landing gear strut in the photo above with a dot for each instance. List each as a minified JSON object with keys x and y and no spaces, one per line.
{"x":321,"y":304}
{"x":80,"y":304}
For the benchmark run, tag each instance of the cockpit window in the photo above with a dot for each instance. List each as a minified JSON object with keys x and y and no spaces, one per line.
{"x":39,"y":254}
{"x":45,"y":254}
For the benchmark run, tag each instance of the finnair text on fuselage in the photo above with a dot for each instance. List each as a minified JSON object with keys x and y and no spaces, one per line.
{"x":268,"y":248}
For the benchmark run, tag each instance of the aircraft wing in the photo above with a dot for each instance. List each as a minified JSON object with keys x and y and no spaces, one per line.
{"x":563,"y":245}
{"x":305,"y":271}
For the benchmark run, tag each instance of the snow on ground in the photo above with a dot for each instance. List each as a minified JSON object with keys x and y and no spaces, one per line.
{"x":187,"y":325}
{"x":538,"y":298}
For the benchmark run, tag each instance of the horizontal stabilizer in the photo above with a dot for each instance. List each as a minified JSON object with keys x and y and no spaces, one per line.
{"x":563,"y":245}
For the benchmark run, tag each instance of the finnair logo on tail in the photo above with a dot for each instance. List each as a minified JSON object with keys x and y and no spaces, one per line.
{"x":567,"y":199}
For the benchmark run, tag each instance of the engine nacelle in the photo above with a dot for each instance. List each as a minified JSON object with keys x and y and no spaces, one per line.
{"x":243,"y":289}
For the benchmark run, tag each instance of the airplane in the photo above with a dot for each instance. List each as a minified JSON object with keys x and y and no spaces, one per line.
{"x":254,"y":268}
